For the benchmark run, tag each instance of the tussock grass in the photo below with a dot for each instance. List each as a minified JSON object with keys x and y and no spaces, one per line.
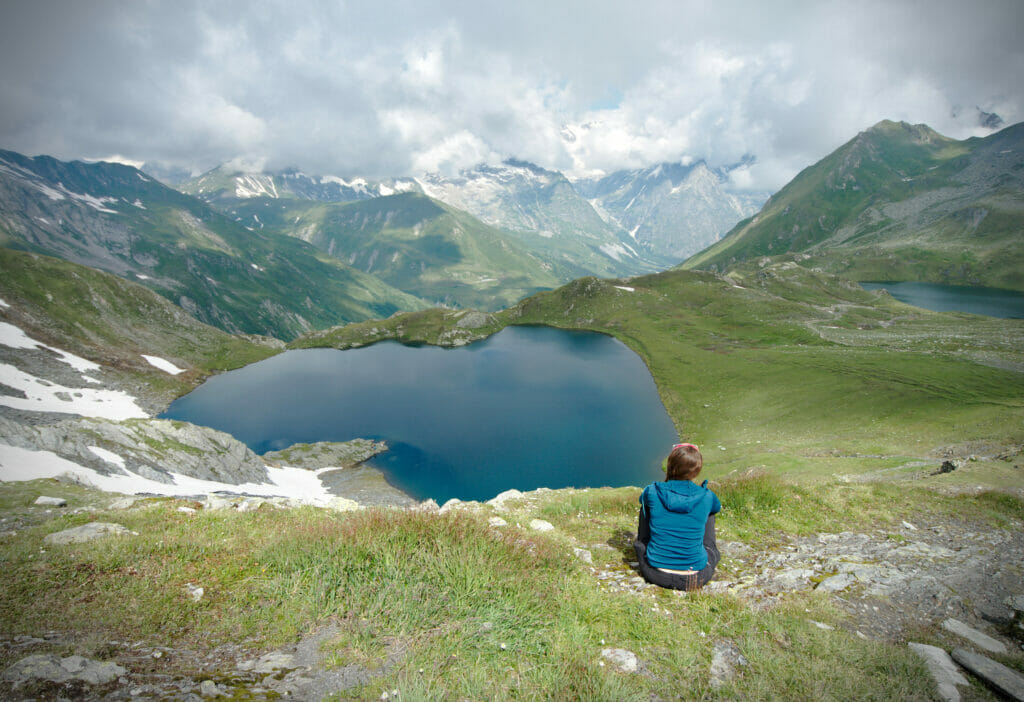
{"x":446,"y":607}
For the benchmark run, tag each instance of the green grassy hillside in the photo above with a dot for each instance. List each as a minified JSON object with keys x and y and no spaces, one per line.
{"x":897,"y":202}
{"x":413,"y":243}
{"x":114,"y":322}
{"x":116,"y":219}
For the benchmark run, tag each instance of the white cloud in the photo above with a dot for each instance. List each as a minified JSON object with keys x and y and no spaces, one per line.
{"x":392,"y":87}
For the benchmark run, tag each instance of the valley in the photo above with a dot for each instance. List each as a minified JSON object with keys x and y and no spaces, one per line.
{"x":868,"y":453}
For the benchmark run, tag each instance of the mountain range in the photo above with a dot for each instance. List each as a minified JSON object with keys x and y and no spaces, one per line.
{"x":281,"y":254}
{"x":898,"y":202}
{"x":117,"y":219}
{"x":631,"y":221}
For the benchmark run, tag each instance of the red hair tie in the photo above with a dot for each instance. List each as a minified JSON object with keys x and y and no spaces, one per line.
{"x":685,"y":446}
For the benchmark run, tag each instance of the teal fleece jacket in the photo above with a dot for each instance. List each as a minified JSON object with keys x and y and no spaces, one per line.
{"x":677,"y":511}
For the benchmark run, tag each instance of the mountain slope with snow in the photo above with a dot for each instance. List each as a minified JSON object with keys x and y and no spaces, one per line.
{"x":115,"y":218}
{"x":670,"y":209}
{"x":225,"y":184}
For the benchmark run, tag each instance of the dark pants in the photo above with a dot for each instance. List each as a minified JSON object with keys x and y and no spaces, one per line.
{"x":674,"y":581}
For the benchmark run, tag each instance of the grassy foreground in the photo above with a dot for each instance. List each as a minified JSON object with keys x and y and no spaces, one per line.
{"x":443,"y":606}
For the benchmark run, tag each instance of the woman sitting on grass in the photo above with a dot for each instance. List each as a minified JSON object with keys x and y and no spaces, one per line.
{"x":675,"y":542}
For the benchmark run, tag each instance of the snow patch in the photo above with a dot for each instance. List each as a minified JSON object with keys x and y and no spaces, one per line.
{"x":108,"y":456}
{"x":616,"y":251}
{"x":359,"y":185}
{"x":4,"y":305}
{"x":163,"y":364}
{"x":46,"y":396}
{"x":255,"y":186}
{"x":13,"y":337}
{"x":48,"y":191}
{"x":626,"y":288}
{"x":140,"y":276}
{"x":138,"y":203}
{"x":17,"y":464}
{"x":97,"y":203}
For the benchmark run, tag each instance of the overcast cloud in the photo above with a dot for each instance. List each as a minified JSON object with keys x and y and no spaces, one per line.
{"x":397,"y":88}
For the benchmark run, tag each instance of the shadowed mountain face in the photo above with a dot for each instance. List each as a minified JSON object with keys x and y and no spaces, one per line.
{"x":117,"y":219}
{"x":898,"y":202}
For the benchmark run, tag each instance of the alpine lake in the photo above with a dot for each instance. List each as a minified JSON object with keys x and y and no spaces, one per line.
{"x":992,"y":302}
{"x":528,"y":407}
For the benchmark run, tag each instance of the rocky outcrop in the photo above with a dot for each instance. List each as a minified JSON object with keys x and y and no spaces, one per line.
{"x":87,"y":532}
{"x":327,"y":454}
{"x":54,"y":669}
{"x":152,"y":448}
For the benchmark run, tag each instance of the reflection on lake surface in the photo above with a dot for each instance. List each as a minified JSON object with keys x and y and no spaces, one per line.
{"x":530,"y":407}
{"x":993,"y":302}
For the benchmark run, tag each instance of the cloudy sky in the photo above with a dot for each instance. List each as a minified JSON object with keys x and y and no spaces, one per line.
{"x":392,"y":88}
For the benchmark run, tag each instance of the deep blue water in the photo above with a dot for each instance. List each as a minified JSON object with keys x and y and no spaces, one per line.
{"x":529,"y":407}
{"x":992,"y":302}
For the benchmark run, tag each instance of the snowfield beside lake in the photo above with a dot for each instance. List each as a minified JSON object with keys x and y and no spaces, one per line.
{"x":18,"y":464}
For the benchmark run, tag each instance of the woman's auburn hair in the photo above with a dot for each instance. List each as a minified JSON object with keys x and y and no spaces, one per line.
{"x":684,"y":463}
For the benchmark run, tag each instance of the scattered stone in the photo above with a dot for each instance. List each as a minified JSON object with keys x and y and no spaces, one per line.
{"x":624,"y":661}
{"x":51,"y":501}
{"x":1016,"y":603}
{"x":269,"y":663}
{"x":823,"y":625}
{"x":1007,"y":681}
{"x":194,"y":591}
{"x":583,"y":554}
{"x":187,"y":510}
{"x":974,"y":636}
{"x":449,"y":505}
{"x":251,"y":504}
{"x":53,"y":668}
{"x":87,"y":532}
{"x":123,"y":503}
{"x":497,"y":522}
{"x":209,"y":688}
{"x":836,"y":583}
{"x":947,"y":676}
{"x":792,"y":579}
{"x":908,"y":525}
{"x":343,"y":504}
{"x":997,"y":614}
{"x":498,"y":501}
{"x":429,"y":505}
{"x":726,"y":657}
{"x":541,"y":525}
{"x":219,"y":502}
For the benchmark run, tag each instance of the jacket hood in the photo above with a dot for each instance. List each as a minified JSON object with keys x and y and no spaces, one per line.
{"x":679,"y":495}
